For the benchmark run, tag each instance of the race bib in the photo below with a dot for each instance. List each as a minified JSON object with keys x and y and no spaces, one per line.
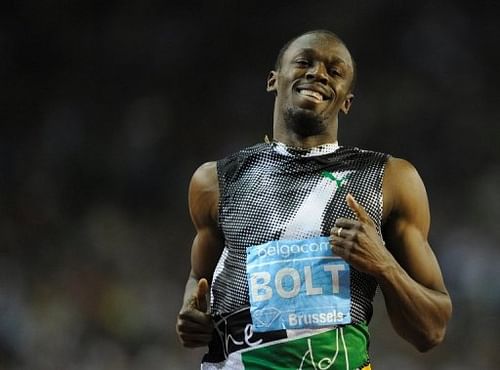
{"x":296,"y":284}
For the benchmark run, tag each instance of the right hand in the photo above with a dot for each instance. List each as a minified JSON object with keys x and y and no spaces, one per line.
{"x":194,"y":325}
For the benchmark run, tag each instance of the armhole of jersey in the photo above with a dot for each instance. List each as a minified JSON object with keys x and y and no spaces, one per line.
{"x":384,"y":161}
{"x":220,"y":186}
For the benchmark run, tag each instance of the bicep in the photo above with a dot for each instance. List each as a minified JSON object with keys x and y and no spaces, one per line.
{"x":205,"y":252}
{"x":413,"y":252}
{"x":203,"y":207}
{"x":406,"y":229}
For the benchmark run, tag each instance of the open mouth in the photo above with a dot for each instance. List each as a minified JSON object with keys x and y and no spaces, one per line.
{"x":314,"y":95}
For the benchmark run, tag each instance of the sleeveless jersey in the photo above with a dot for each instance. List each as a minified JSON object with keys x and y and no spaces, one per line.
{"x":276,"y":209}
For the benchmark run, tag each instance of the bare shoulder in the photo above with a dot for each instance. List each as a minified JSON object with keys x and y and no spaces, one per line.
{"x":400,"y":171}
{"x":204,"y":193}
{"x":205,"y":175}
{"x":404,"y":191}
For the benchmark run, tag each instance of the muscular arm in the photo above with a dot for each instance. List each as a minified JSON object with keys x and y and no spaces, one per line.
{"x":203,"y":207}
{"x":407,"y":270}
{"x":194,"y":326}
{"x":415,"y":295}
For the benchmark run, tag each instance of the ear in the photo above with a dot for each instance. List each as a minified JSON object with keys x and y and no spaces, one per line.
{"x":346,"y":105}
{"x":272,"y":79}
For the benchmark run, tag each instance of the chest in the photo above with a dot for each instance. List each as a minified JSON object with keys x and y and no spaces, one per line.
{"x":263,"y":204}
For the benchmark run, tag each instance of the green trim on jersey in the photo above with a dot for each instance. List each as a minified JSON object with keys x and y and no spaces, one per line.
{"x":343,"y":348}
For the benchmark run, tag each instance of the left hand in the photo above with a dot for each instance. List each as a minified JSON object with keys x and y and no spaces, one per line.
{"x":358,"y":242}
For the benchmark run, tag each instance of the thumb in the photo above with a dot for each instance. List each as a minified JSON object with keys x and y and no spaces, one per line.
{"x":357,"y":208}
{"x":201,"y":295}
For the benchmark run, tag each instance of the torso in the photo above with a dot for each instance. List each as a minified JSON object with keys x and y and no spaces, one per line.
{"x":267,"y":195}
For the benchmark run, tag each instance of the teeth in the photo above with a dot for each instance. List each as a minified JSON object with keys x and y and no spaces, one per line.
{"x":311,"y":93}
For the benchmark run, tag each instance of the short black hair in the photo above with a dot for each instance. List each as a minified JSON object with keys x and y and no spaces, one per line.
{"x":284,"y":48}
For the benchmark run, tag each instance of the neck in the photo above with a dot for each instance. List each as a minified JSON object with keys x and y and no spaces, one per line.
{"x":283,"y":134}
{"x":305,"y":142}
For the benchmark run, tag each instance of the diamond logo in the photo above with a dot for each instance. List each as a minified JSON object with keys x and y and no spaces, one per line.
{"x":265,"y":317}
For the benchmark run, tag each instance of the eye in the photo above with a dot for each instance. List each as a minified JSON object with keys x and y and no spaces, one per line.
{"x":335,"y":72}
{"x":302,"y":62}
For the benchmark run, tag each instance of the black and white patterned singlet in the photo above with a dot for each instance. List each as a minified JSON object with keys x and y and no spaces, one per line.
{"x":273,"y":192}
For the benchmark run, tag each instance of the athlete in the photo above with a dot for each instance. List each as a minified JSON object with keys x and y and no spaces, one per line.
{"x":294,"y":235}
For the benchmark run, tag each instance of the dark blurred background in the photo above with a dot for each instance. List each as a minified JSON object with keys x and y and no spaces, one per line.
{"x":107,"y":108}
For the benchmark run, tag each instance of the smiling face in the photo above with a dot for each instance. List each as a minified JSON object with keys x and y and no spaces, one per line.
{"x":312,"y":85}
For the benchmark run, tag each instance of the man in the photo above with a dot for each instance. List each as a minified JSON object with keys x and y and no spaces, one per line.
{"x":294,"y":236}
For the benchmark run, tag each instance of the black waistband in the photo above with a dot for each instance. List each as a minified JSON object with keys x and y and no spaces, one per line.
{"x":233,"y":332}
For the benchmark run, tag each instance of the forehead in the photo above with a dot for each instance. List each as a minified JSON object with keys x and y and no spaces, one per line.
{"x":322,"y":45}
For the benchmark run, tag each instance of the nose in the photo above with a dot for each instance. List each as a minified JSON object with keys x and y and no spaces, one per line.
{"x":317,"y":72}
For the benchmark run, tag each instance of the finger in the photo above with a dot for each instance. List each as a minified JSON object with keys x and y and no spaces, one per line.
{"x":185,"y":326}
{"x":192,"y":337}
{"x":195,"y":344}
{"x":339,"y":242}
{"x":357,"y":208}
{"x":196,"y":317}
{"x":194,"y":340}
{"x":201,"y":295}
{"x":341,"y":247}
{"x":345,"y":223}
{"x":343,"y":232}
